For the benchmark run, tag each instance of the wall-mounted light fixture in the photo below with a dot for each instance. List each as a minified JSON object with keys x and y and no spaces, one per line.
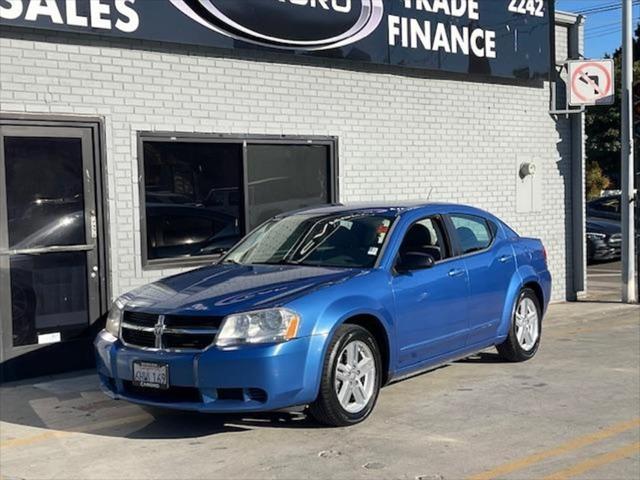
{"x":526,"y":169}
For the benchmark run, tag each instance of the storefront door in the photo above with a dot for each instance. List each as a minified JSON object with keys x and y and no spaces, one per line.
{"x":49,"y":260}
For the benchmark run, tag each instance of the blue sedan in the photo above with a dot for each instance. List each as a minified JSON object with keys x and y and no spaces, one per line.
{"x":323,"y":307}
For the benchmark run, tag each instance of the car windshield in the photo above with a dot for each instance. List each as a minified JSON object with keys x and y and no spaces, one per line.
{"x":346,"y":240}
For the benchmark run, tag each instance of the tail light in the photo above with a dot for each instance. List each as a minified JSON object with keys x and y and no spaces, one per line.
{"x":544,"y":254}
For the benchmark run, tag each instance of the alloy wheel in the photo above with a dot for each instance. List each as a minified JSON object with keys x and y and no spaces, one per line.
{"x":355,"y":376}
{"x":527,"y":324}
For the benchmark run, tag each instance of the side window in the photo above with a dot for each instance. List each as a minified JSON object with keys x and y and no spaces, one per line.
{"x":426,"y":236}
{"x":473,"y":232}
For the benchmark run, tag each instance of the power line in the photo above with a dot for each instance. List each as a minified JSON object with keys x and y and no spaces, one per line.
{"x":602,"y":26}
{"x":605,"y":34}
{"x":604,"y":8}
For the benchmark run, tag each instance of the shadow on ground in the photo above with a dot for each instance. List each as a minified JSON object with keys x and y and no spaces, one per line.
{"x":482,"y":357}
{"x":72,"y":403}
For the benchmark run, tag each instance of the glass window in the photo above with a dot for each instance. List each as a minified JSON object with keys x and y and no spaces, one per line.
{"x":44,"y":210}
{"x":48,"y":295}
{"x":426,"y":236}
{"x":195,"y":191}
{"x":339,"y":240}
{"x":283,"y":178}
{"x":473,"y":233}
{"x":192,"y":198}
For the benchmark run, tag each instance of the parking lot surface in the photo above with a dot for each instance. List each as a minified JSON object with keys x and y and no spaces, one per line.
{"x":604,"y":281}
{"x":572,"y":412}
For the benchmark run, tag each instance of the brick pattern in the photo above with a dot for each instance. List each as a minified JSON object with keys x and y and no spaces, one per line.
{"x":400,"y":136}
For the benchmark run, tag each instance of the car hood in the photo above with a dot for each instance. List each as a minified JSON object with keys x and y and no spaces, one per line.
{"x":599,"y":225}
{"x":225,"y":289}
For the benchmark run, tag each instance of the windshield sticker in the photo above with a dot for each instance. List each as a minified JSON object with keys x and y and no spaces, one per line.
{"x":373,"y":251}
{"x":382,"y":231}
{"x":346,"y":224}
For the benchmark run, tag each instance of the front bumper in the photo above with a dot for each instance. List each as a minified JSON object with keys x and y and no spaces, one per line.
{"x":246,"y":379}
{"x":608,"y":249}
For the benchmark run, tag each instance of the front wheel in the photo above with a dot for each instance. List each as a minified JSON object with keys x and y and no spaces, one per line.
{"x":351,"y":378}
{"x":526,"y":325}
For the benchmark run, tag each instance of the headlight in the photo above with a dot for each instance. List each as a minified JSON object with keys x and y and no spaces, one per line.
{"x":595,"y":236}
{"x":115,"y":318}
{"x":262,"y":326}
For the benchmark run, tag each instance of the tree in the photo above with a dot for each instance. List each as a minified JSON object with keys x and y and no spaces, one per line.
{"x":603,"y":122}
{"x":595,"y":180}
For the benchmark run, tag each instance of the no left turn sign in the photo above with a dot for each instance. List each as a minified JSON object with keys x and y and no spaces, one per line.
{"x":591,"y":82}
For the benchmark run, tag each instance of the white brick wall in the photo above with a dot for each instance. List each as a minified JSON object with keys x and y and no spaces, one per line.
{"x":399,"y":136}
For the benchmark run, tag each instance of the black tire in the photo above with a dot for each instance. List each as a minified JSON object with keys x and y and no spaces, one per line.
{"x":327,"y":408}
{"x":510,"y":350}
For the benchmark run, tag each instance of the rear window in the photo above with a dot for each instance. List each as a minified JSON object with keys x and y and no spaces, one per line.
{"x":474,"y":233}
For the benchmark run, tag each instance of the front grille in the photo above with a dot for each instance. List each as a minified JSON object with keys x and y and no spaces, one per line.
{"x":138,"y":338}
{"x":182,"y":340}
{"x":170,"y":395}
{"x":186,"y":321}
{"x":140,"y":319}
{"x":170,"y":332}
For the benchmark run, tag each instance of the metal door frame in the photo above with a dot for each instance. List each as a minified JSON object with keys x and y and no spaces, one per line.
{"x":91,"y":133}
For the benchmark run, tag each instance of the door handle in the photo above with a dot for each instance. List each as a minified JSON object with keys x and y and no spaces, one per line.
{"x":504,"y":258}
{"x":43,"y":250}
{"x":456,"y":272}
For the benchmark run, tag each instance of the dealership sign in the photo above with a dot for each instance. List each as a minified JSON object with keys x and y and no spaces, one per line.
{"x":505,"y":38}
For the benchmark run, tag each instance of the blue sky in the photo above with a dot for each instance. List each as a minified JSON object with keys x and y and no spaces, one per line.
{"x":602,"y":30}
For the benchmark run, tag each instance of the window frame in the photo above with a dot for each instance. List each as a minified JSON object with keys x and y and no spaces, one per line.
{"x":453,"y":234}
{"x":237,"y":139}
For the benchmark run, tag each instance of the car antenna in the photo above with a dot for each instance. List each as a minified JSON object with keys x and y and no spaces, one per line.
{"x":429,"y":195}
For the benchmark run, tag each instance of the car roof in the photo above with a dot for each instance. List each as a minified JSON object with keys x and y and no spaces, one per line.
{"x":380,"y":208}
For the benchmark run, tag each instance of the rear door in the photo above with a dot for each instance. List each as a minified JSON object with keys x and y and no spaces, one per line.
{"x":490,"y":263}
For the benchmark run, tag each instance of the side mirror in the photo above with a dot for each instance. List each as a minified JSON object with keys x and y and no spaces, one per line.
{"x":415,"y":261}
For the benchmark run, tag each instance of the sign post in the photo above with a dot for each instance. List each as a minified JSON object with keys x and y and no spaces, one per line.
{"x":629,"y":293}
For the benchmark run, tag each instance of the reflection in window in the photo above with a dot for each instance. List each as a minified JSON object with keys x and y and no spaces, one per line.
{"x":48,"y":295}
{"x":473,"y":232}
{"x":44,"y":210}
{"x":338,"y":240}
{"x":192,"y":198}
{"x":195,"y":191}
{"x":284,"y":178}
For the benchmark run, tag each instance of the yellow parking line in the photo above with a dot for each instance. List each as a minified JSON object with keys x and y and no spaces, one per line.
{"x":571,"y":445}
{"x":595,"y":462}
{"x":93,"y":427}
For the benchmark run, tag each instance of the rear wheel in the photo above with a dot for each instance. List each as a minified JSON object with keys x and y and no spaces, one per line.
{"x":526,"y":325}
{"x":351,"y":378}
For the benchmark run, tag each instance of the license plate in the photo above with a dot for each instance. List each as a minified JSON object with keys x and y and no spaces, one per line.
{"x":151,"y":375}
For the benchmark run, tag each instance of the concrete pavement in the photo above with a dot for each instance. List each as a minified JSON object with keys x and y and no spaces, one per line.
{"x":572,"y":412}
{"x":604,"y":281}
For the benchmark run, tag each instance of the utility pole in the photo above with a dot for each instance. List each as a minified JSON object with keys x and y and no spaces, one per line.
{"x":629,"y":293}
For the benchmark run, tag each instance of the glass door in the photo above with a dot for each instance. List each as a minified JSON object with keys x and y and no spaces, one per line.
{"x":49,"y":268}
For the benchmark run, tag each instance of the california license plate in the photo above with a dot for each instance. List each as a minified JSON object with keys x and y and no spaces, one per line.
{"x":151,"y":375}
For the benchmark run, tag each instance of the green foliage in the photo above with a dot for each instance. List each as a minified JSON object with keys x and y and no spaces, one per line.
{"x":603,"y":122}
{"x":595,"y":180}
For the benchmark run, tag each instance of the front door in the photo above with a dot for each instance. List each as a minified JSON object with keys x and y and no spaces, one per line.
{"x":431,"y":304}
{"x":49,"y":260}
